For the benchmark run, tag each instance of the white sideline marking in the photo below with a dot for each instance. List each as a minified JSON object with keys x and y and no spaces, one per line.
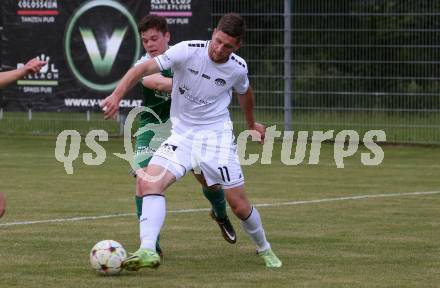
{"x":360,"y":197}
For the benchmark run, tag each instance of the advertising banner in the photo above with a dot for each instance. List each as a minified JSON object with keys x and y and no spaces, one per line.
{"x":187,"y":19}
{"x":88,"y":45}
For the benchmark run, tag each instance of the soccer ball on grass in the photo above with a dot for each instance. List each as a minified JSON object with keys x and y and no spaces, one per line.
{"x":106,"y":257}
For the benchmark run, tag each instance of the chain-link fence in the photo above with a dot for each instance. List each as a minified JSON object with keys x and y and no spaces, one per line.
{"x":263,"y":49}
{"x":357,"y":65}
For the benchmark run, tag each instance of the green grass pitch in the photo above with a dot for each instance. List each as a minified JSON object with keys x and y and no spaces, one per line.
{"x":357,"y":242}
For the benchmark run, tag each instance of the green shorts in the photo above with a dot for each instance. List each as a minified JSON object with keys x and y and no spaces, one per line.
{"x":149,"y":141}
{"x":143,"y":152}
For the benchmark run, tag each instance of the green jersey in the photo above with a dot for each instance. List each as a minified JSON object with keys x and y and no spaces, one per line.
{"x":158,"y":101}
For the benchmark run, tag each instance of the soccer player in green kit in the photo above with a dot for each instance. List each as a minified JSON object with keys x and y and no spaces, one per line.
{"x":156,"y":88}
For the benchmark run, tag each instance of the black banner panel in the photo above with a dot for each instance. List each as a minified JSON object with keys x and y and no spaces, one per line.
{"x":187,"y":19}
{"x":89,"y":45}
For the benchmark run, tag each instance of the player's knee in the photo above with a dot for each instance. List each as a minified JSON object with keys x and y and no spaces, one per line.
{"x":241,"y":209}
{"x":145,"y":187}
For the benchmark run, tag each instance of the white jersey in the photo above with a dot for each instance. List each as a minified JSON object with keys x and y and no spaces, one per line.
{"x":202,"y":89}
{"x":143,"y":59}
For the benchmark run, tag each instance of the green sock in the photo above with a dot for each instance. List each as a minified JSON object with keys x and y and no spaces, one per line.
{"x":139,"y":213}
{"x":138,"y":206}
{"x":218,"y":202}
{"x":158,"y":249}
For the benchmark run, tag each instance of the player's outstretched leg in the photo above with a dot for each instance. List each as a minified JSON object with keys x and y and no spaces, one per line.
{"x":138,"y":201}
{"x":150,"y":223}
{"x":216,"y":197}
{"x":251,"y":223}
{"x":254,"y":228}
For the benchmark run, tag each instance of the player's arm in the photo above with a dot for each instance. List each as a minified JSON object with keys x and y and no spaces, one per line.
{"x":246,"y":101}
{"x":10,"y":76}
{"x":110,"y":105}
{"x":31,"y":67}
{"x":158,"y":82}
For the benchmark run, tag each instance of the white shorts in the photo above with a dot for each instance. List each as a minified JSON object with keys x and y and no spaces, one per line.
{"x":213,"y":154}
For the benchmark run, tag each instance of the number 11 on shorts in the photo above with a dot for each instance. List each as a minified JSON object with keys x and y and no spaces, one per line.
{"x":224,"y":171}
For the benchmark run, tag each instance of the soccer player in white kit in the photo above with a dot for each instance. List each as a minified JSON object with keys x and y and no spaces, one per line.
{"x":205,"y":73}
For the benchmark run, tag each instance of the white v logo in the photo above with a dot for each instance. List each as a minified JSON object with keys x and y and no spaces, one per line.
{"x":102,"y":65}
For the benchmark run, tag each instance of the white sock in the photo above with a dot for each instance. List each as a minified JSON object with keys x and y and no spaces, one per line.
{"x":151,"y":220}
{"x":254,"y":228}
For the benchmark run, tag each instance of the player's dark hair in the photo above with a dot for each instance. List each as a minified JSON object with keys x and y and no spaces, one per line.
{"x":153,"y":21}
{"x":233,"y":25}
